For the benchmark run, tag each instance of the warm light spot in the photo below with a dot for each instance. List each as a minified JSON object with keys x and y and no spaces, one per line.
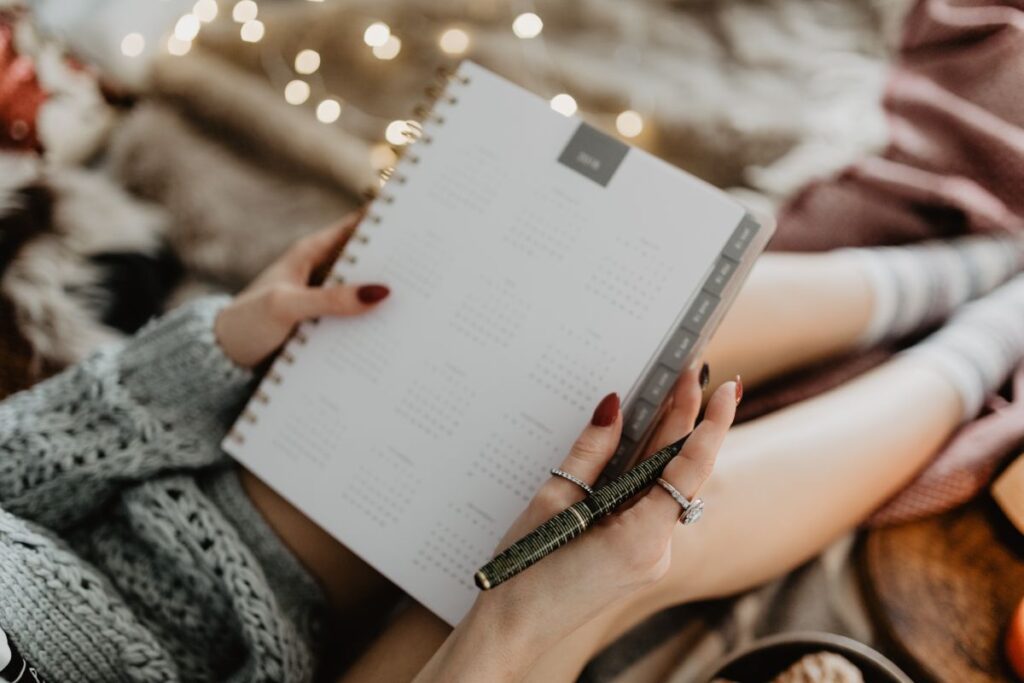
{"x":307,"y":61}
{"x":454,"y":41}
{"x":244,"y":10}
{"x":382,"y":156}
{"x":527,"y":25}
{"x":178,"y":47}
{"x":252,"y":31}
{"x":205,"y":10}
{"x":133,"y":44}
{"x":328,"y":111}
{"x":376,"y":34}
{"x":187,"y":27}
{"x":389,"y":50}
{"x":564,"y":104}
{"x":629,"y":123}
{"x":399,"y":132}
{"x":296,"y":92}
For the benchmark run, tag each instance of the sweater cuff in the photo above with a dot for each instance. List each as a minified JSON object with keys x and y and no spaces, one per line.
{"x":176,"y":363}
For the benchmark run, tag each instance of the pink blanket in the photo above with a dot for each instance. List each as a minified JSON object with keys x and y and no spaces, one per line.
{"x":954,"y":164}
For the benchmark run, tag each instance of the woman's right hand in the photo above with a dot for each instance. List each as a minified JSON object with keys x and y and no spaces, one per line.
{"x":512,"y":624}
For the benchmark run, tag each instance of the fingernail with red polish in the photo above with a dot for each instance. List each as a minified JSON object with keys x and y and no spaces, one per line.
{"x":739,"y":389}
{"x":705,"y":376}
{"x":606,"y":412}
{"x":371,"y":294}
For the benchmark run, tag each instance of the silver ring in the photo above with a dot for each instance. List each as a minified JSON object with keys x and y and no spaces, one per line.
{"x":573,"y":478}
{"x":692,"y":509}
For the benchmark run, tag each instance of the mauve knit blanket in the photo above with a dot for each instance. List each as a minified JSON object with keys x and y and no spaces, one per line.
{"x":954,"y":164}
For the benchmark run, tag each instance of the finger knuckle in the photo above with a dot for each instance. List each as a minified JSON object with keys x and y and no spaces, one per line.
{"x":590,"y":448}
{"x":549,"y":500}
{"x":276,"y":303}
{"x":643,"y":553}
{"x":702,"y":467}
{"x":305,"y":245}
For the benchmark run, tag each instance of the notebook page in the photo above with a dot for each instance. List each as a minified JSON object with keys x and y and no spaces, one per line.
{"x":522,"y":293}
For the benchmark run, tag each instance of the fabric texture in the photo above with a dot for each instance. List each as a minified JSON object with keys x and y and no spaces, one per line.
{"x":953,"y":166}
{"x":915,"y":287}
{"x":128,"y":551}
{"x":980,"y":345}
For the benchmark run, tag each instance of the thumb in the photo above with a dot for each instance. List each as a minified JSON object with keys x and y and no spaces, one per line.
{"x":304,"y":303}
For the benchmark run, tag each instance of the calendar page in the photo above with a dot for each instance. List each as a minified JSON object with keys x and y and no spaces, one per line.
{"x":536,"y":265}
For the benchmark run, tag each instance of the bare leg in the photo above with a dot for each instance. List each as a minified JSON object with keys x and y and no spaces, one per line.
{"x":402,"y":649}
{"x":795,"y":309}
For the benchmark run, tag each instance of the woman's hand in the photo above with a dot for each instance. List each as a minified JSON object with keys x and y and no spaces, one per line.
{"x":261,"y":317}
{"x":509,"y":626}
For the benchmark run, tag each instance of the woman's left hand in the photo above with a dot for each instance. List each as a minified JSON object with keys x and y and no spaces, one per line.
{"x":512,"y":624}
{"x":261,"y":317}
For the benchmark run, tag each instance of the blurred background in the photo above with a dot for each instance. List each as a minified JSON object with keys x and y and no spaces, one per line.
{"x":196,"y":138}
{"x":205,"y":135}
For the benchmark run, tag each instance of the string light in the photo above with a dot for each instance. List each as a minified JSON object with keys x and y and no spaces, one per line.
{"x":398,"y":132}
{"x":178,"y":47}
{"x":527,"y":25}
{"x":629,"y":123}
{"x":564,"y":104}
{"x":187,"y":28}
{"x":454,"y":41}
{"x":252,"y":31}
{"x":376,"y":34}
{"x":328,"y":111}
{"x":244,"y":10}
{"x":307,"y":61}
{"x":133,"y":44}
{"x":382,"y":156}
{"x":205,"y":10}
{"x":296,"y":92}
{"x":389,"y":50}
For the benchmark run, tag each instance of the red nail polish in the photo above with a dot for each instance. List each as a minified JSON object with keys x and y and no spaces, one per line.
{"x":371,"y":294}
{"x":739,"y":389}
{"x":705,"y":376}
{"x":606,"y":412}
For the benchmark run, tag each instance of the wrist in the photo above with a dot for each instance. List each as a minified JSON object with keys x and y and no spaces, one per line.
{"x":488,"y":644}
{"x":175,"y":362}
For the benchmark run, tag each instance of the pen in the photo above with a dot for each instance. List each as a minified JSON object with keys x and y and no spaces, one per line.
{"x":574,"y":520}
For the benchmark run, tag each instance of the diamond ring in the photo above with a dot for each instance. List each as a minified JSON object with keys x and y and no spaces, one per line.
{"x":692,"y":510}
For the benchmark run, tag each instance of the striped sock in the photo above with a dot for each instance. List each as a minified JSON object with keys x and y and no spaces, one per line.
{"x":919,"y":285}
{"x":980,"y":345}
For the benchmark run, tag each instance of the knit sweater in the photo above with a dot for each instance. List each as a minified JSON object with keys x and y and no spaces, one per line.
{"x":128,"y":550}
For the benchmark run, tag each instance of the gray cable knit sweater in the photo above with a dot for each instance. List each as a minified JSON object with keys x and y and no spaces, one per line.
{"x":128,"y":550}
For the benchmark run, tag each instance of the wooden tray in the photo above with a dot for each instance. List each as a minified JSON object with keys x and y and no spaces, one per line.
{"x":943,"y":590}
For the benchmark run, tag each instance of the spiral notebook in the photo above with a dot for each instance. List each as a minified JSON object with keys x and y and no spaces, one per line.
{"x":536,"y":264}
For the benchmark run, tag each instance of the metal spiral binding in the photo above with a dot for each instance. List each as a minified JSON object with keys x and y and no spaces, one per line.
{"x":424,"y":114}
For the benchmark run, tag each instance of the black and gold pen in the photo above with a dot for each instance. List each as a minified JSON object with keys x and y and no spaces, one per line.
{"x":574,"y":520}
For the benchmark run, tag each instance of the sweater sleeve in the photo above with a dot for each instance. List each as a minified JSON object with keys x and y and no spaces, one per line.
{"x":160,"y":401}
